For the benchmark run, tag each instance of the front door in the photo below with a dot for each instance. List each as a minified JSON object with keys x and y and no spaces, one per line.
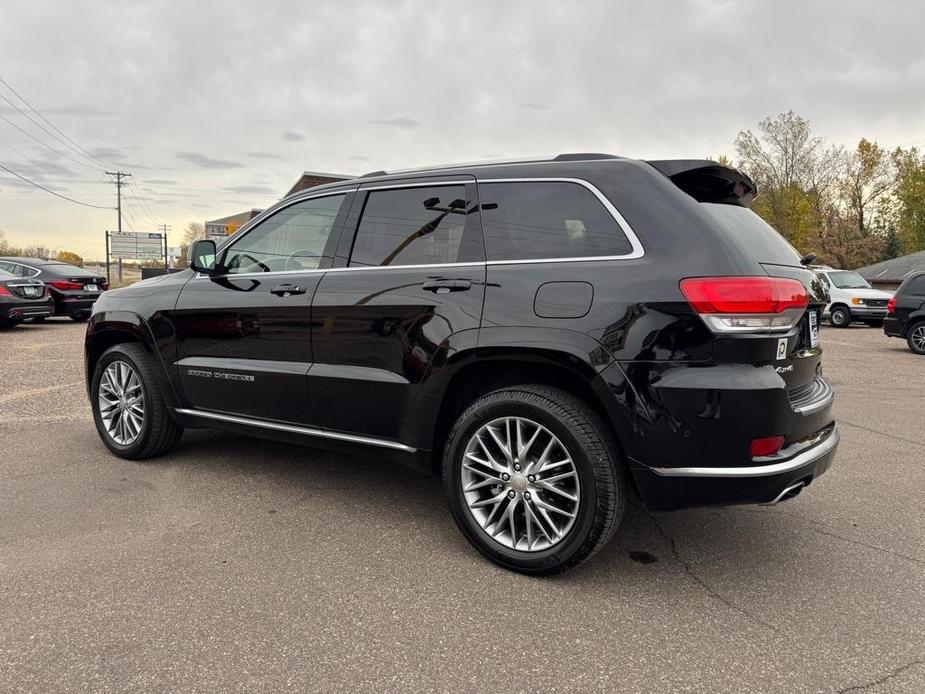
{"x":244,"y":334}
{"x":413,"y":277}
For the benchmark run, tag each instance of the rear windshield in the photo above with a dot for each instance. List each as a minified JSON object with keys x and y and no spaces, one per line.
{"x":845,"y":279}
{"x":755,"y":236}
{"x":67,"y":270}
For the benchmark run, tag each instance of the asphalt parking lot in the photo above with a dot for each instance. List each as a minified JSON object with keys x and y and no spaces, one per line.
{"x":236,"y":564}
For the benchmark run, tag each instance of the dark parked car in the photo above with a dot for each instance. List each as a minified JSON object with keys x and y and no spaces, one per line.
{"x":73,"y":289}
{"x":544,"y":335}
{"x":906,"y":313}
{"x":22,"y":298}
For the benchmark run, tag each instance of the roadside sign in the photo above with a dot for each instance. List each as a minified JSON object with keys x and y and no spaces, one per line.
{"x":136,"y":245}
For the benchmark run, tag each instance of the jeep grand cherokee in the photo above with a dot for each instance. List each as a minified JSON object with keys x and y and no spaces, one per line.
{"x":544,"y":335}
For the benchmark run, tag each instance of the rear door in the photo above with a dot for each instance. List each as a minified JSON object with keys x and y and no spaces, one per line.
{"x":244,"y":335}
{"x":410,"y":275}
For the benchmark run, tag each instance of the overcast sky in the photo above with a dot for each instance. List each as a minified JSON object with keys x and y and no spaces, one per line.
{"x":216,"y":107}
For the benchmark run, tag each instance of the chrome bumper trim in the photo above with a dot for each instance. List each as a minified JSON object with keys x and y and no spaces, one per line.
{"x":807,"y":457}
{"x":295,"y":429}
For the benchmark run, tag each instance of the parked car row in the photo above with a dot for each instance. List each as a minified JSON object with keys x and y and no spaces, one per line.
{"x":34,"y":289}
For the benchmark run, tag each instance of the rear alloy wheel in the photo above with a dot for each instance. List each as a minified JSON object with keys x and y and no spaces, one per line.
{"x":840,"y":317}
{"x":128,"y":409}
{"x":916,"y":338}
{"x":533,"y":479}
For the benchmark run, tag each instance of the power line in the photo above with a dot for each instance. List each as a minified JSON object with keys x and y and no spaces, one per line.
{"x":49,"y":190}
{"x":43,"y":167}
{"x":48,"y":146}
{"x":73,"y":145}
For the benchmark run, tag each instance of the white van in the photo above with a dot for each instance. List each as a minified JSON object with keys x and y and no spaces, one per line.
{"x":852,"y":298}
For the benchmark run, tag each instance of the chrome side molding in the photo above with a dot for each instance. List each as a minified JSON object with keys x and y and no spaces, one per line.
{"x":296,"y":429}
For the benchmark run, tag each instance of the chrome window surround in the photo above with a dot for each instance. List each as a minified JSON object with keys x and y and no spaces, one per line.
{"x":35,"y":271}
{"x":636,"y":251}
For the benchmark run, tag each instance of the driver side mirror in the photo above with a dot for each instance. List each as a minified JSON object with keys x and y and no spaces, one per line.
{"x":202,"y":256}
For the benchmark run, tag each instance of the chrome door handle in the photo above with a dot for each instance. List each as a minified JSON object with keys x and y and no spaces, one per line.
{"x":287,"y":290}
{"x":446,"y":286}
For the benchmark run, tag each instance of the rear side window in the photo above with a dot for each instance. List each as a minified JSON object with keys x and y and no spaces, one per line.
{"x":758,"y":239}
{"x":916,"y":286}
{"x":416,"y":226}
{"x":537,"y":220}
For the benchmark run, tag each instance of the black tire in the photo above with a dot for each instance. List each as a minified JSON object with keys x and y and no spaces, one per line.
{"x":6,"y":324}
{"x":874,"y":323}
{"x":79,"y":317}
{"x":38,"y":319}
{"x":158,"y":433}
{"x":840,"y":317}
{"x":915,"y":337}
{"x":591,"y":447}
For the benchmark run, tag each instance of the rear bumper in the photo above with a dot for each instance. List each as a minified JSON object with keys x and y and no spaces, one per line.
{"x":72,"y":305}
{"x":762,"y":482}
{"x":893,"y":327}
{"x":18,"y":310}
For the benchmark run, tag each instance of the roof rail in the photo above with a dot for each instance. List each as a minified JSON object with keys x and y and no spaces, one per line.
{"x":578,"y":156}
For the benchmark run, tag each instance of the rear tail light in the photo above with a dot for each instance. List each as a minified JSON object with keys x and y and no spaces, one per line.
{"x":66,"y":286}
{"x":746,"y":304}
{"x":769,"y":445}
{"x":891,"y":305}
{"x":4,"y":291}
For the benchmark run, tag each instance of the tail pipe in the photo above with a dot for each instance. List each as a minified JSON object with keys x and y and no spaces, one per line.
{"x":787,"y":493}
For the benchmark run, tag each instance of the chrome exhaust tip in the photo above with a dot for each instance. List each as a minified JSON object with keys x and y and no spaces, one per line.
{"x":787,"y":494}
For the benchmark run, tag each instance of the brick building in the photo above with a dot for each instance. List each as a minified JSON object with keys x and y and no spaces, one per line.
{"x":310,"y":179}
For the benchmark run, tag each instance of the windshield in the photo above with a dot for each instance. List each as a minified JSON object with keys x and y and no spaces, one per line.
{"x":843,"y":279}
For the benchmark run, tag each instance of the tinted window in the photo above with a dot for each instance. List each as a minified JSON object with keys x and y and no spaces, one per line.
{"x":4,"y":275}
{"x":536,"y":220}
{"x":63,"y":270}
{"x":916,"y":286}
{"x":416,"y":226}
{"x":755,"y":237}
{"x":292,"y":239}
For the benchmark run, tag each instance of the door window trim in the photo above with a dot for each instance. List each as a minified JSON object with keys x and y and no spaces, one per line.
{"x":636,"y":249}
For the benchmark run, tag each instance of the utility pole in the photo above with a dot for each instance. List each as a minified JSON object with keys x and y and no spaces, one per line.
{"x":164,"y":228}
{"x":119,"y":183}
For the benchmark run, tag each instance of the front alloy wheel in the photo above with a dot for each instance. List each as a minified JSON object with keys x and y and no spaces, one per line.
{"x":121,"y":402}
{"x":520,"y":484}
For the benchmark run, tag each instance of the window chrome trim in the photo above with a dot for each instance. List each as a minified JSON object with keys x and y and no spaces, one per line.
{"x":356,"y":268}
{"x":636,"y":249}
{"x":418,"y":184}
{"x":295,"y":429}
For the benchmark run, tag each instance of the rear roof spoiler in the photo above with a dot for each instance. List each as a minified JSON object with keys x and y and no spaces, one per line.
{"x":708,"y":181}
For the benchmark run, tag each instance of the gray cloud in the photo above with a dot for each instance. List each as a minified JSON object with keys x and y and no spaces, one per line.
{"x":161,"y":182}
{"x":293,"y":136}
{"x":106,"y":152}
{"x":251,"y":188}
{"x":401,"y":122}
{"x":269,"y":156}
{"x":208,"y":162}
{"x":359,"y":157}
{"x":536,"y":106}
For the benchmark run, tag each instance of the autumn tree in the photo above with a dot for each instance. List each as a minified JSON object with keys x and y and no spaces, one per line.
{"x":910,"y":198}
{"x":869,"y":176}
{"x":70,"y":258}
{"x":193,"y":232}
{"x":6,"y":248}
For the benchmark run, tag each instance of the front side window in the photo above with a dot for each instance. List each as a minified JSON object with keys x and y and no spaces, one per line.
{"x":547,"y":219}
{"x":293,"y":239}
{"x":416,"y":226}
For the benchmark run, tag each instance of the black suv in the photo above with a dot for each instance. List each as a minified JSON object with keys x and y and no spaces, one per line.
{"x":545,"y":335}
{"x":906,"y":312}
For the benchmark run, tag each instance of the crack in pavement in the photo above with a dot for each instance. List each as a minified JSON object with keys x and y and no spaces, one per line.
{"x":890,"y":675}
{"x":699,"y":581}
{"x":818,"y":529}
{"x":875,"y":431}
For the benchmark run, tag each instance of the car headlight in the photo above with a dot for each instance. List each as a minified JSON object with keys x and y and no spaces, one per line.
{"x":857,"y":301}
